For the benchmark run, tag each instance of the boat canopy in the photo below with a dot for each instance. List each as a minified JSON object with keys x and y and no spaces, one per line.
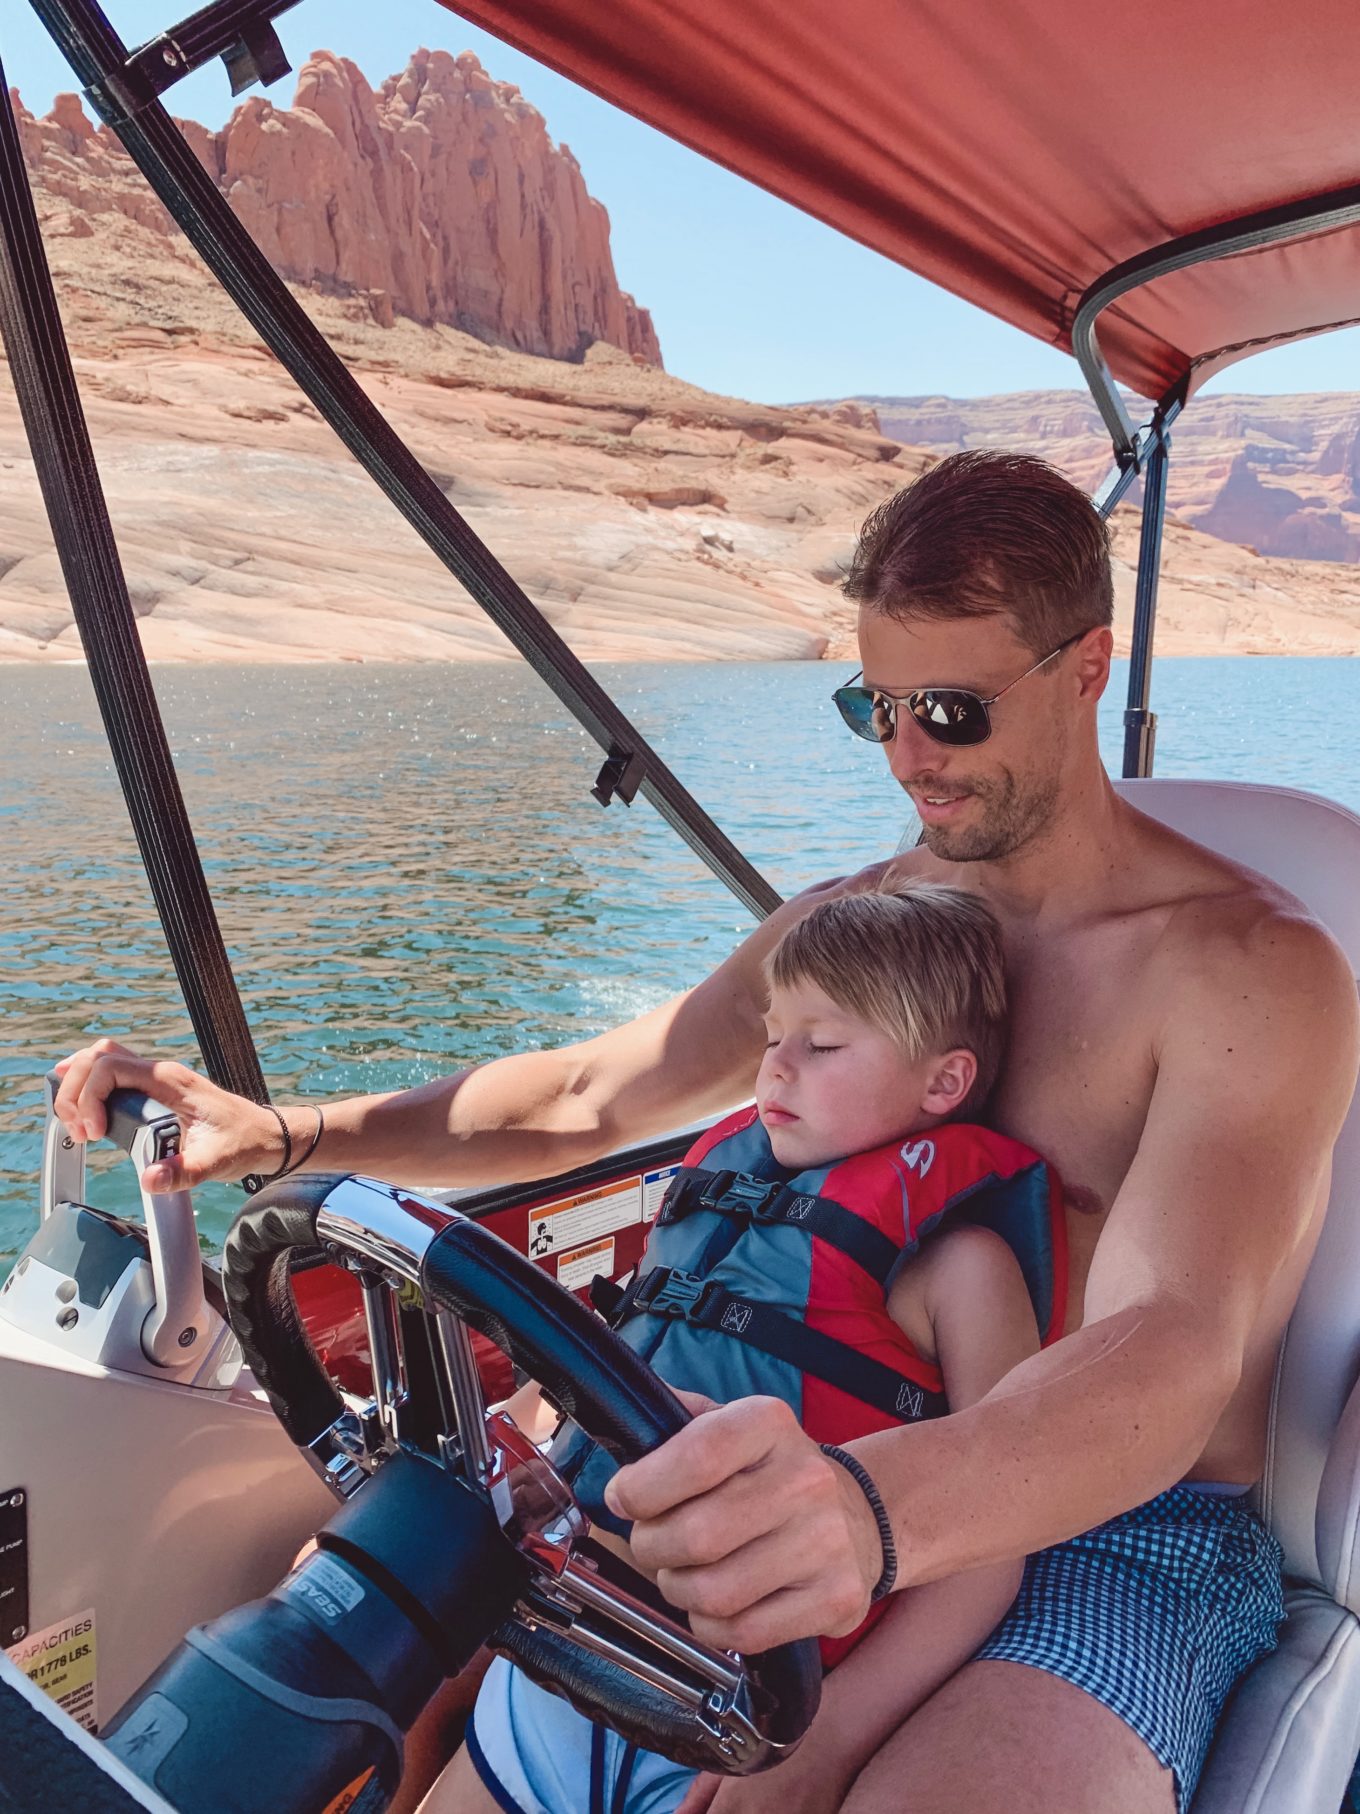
{"x":1017,"y":152}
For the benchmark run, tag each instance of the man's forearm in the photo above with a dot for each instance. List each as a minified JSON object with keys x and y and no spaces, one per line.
{"x":1105,"y":1419}
{"x":514,"y":1118}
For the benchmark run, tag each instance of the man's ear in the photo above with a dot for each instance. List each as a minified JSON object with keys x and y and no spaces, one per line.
{"x":1094,"y":653}
{"x":949,"y":1080}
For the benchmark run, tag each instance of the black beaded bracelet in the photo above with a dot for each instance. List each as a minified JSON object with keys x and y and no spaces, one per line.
{"x":864,"y":1481}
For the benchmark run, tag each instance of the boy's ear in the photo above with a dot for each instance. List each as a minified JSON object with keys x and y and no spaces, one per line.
{"x":948,"y":1082}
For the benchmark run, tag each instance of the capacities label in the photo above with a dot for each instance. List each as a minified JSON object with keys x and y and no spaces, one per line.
{"x":61,"y":1661}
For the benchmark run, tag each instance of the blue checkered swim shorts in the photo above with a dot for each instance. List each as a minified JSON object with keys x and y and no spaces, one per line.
{"x":1156,"y":1614}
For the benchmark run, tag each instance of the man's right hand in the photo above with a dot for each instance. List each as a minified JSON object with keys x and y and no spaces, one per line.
{"x":222,"y":1136}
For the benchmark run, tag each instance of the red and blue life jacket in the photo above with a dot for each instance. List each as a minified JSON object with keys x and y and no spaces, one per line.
{"x":757,"y":1280}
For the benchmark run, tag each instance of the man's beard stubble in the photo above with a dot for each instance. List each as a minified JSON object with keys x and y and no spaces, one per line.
{"x":1008,"y":821}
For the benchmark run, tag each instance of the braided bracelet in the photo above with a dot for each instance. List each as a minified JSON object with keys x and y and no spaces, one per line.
{"x":316,"y":1137}
{"x":256,"y":1181}
{"x":864,"y":1481}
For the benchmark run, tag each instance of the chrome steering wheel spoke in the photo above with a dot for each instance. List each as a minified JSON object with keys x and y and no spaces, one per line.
{"x":584,"y":1622}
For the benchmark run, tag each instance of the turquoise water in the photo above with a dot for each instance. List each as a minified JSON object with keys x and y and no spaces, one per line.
{"x":411,"y":874}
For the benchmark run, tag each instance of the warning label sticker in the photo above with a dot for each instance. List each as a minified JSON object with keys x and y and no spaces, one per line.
{"x":654,"y":1187}
{"x":554,"y":1227}
{"x":578,"y":1268}
{"x":60,"y":1660}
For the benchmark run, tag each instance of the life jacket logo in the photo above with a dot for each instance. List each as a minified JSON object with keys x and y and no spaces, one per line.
{"x":910,"y":1402}
{"x":800,"y":1209}
{"x":735,"y":1318}
{"x":919,"y":1155}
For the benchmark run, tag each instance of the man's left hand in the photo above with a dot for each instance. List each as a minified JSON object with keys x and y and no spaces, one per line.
{"x":750,"y":1529}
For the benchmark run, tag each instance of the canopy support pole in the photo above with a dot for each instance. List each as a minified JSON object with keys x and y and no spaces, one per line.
{"x":159,"y":150}
{"x":1146,"y":451}
{"x":49,"y":402}
{"x":1140,"y":724}
{"x":1272,"y":226}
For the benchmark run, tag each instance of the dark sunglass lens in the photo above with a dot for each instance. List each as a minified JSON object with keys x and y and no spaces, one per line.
{"x":951,"y":717}
{"x":863,"y":711}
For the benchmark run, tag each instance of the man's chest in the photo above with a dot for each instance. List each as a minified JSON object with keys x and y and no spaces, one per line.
{"x":1079,"y":1073}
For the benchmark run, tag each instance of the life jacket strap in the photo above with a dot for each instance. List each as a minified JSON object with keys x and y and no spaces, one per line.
{"x":766,"y":1200}
{"x":665,"y":1291}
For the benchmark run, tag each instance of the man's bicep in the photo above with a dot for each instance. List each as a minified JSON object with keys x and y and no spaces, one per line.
{"x":1254,"y":1073}
{"x":689,"y":1059}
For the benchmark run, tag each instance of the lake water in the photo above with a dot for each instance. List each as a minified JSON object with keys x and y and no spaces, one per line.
{"x":411,"y":873}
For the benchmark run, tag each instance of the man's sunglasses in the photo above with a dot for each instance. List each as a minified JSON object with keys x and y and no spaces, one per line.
{"x":948,"y":714}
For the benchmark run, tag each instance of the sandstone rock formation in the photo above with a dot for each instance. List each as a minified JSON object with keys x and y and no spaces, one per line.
{"x":1278,"y":474}
{"x":440,"y":197}
{"x":645,"y":517}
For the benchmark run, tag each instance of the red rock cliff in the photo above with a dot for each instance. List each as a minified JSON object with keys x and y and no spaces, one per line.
{"x":440,"y":196}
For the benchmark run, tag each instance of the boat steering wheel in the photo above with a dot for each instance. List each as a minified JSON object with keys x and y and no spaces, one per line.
{"x":586,"y":1626}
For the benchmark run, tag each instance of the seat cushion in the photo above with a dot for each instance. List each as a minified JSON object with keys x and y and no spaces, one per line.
{"x":1310,"y":846}
{"x":1288,"y":1740}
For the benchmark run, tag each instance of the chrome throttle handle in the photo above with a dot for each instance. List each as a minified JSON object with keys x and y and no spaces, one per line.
{"x":180,"y":1323}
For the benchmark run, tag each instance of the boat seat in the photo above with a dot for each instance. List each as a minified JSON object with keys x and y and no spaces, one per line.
{"x":1288,"y":1740}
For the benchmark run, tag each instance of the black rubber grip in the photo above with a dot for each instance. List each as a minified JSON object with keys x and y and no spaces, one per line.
{"x":784,"y":1685}
{"x":274,"y":1226}
{"x":585,"y":1369}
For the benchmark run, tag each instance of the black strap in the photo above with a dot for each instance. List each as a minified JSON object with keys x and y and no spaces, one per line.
{"x":49,"y":402}
{"x":667,"y":1292}
{"x":768,"y":1200}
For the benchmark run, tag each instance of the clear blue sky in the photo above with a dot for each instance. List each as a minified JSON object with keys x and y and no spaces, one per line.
{"x":749,"y":296}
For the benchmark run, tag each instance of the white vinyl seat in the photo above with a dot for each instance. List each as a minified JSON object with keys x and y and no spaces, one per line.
{"x":1288,"y":1741}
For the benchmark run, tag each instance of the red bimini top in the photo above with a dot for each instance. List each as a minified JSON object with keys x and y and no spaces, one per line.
{"x":1015,"y":151}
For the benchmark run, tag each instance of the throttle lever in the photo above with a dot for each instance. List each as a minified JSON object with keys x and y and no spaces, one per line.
{"x":178,"y":1325}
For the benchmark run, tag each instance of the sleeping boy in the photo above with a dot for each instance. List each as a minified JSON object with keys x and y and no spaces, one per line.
{"x":840,"y":1246}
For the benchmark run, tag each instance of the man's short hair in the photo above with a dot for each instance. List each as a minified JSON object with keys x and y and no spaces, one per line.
{"x":983,"y":533}
{"x":923,"y":964}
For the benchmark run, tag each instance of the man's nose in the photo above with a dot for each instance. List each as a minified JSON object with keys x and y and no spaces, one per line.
{"x":912,"y":752}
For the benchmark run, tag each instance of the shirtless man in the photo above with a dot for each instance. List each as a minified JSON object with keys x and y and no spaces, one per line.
{"x":1184,"y":1048}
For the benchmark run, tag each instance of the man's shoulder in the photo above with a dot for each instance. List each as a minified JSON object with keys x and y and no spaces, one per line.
{"x":1234,"y":936}
{"x":1208,"y":900}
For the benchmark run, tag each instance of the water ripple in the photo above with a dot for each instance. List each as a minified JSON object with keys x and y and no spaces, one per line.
{"x":411,"y":874}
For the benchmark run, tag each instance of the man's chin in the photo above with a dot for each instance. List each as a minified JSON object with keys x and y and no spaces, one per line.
{"x":961,"y":843}
{"x":991,"y":838}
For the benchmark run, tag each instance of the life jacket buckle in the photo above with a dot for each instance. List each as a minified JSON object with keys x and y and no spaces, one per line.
{"x":667,"y":1291}
{"x":743,"y":1195}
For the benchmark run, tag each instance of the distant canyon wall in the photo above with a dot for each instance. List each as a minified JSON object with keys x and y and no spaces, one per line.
{"x":439,"y":196}
{"x":1278,"y":474}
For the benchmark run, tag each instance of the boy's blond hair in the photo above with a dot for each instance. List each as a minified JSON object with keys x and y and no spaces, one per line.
{"x":924,"y":965}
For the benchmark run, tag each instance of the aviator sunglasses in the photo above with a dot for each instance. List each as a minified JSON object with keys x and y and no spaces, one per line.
{"x":948,"y":714}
